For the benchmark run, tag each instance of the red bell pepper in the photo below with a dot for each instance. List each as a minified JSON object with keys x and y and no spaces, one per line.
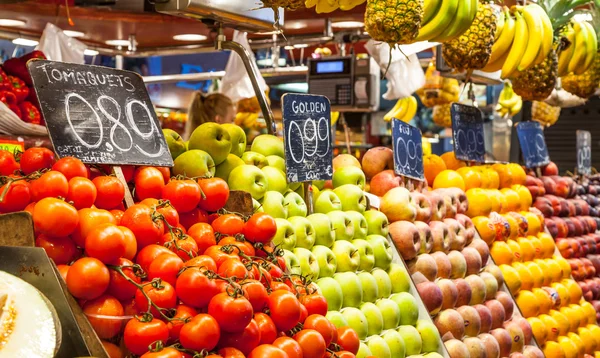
{"x":30,"y":113}
{"x":33,"y":55}
{"x":5,"y":84}
{"x":18,"y":66}
{"x":20,"y":89}
{"x":8,"y":98}
{"x":16,"y":109}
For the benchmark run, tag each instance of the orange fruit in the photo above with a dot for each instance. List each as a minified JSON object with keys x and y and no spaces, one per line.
{"x":580,"y":313}
{"x":513,"y":225}
{"x":537,"y":246}
{"x":518,"y":173}
{"x":589,"y":341}
{"x":590,"y":313}
{"x":479,"y":203}
{"x":524,"y":196}
{"x":485,"y":178}
{"x":554,"y":270}
{"x":595,"y":332}
{"x":513,"y":201}
{"x":542,"y":264}
{"x":505,"y":179}
{"x":540,"y":332}
{"x":493,"y":177}
{"x":484,"y":228}
{"x":511,"y":278}
{"x":562,"y":320}
{"x":544,"y":299}
{"x":553,"y":350}
{"x":572,"y":316}
{"x":578,"y":342}
{"x":501,"y":253}
{"x":563,"y":293}
{"x":564,"y":265}
{"x":448,"y":179}
{"x":471,"y":177}
{"x":551,"y":326}
{"x":496,"y":199}
{"x":533,"y":222}
{"x":527,"y":249}
{"x":516,"y":249}
{"x":524,"y":274}
{"x":569,"y":347}
{"x":432,"y":166}
{"x":575,"y":292}
{"x":527,"y":303}
{"x":451,"y":162}
{"x":521,"y":223}
{"x":536,"y":273}
{"x":548,"y":246}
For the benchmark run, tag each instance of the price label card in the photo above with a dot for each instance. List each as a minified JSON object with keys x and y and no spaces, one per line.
{"x":533,"y":144}
{"x":99,"y":114}
{"x":307,"y":137}
{"x":408,"y":150}
{"x":467,"y":133}
{"x":584,"y":152}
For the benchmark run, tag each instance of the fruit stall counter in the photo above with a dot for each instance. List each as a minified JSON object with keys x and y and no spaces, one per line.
{"x":22,"y":142}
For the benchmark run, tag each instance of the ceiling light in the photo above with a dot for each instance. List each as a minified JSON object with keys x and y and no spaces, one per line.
{"x":301,"y":46}
{"x":289,"y":47}
{"x":117,"y":42}
{"x":11,"y":22}
{"x":348,"y":24}
{"x":24,"y":42}
{"x":89,"y":52}
{"x":267,"y":33}
{"x":189,"y":37}
{"x":72,"y":33}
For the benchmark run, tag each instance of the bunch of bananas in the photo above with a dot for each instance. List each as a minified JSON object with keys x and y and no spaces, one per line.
{"x":405,"y":109}
{"x":445,"y":20}
{"x":544,"y":113}
{"x":509,"y":103}
{"x":442,"y":115}
{"x":523,"y":41}
{"x":580,"y":55}
{"x":248,"y":120}
{"x":327,"y":6}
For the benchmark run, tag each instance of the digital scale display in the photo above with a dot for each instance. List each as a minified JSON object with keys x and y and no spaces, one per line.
{"x":330,"y":67}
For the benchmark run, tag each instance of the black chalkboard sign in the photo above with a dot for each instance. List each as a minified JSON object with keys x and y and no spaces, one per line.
{"x":467,"y":132}
{"x":408,"y":150}
{"x":584,"y":152}
{"x":99,"y":114}
{"x":533,"y":144}
{"x":307,"y":137}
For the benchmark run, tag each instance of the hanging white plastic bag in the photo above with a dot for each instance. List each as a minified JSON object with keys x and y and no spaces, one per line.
{"x":236,"y":82}
{"x":59,"y":47}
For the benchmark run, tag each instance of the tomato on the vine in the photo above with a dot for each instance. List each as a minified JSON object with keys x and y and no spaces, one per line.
{"x":50,"y":184}
{"x":82,"y":192}
{"x":120,"y":287}
{"x":106,"y":243}
{"x":55,"y":217}
{"x":280,"y":286}
{"x":245,"y":341}
{"x":149,"y":253}
{"x":8,"y":164}
{"x":256,"y":293}
{"x":184,"y":195}
{"x":232,"y":268}
{"x":142,"y":220}
{"x":285,"y":309}
{"x":228,"y":224}
{"x":202,"y":262}
{"x":63,"y":270}
{"x":139,"y":335}
{"x":348,"y":339}
{"x":61,"y":250}
{"x":311,"y":342}
{"x":303,"y":314}
{"x":111,"y":192}
{"x":244,"y":246}
{"x":165,"y":208}
{"x":315,"y":304}
{"x":183,"y":314}
{"x":204,"y":236}
{"x":17,"y":196}
{"x":216,"y":194}
{"x":104,"y":305}
{"x":261,"y":227}
{"x":322,"y":325}
{"x":130,"y":243}
{"x":193,"y":217}
{"x":166,"y":267}
{"x":89,"y":219}
{"x":267,"y":350}
{"x":230,"y":352}
{"x":36,"y":158}
{"x":162,"y":296}
{"x":149,"y":183}
{"x":202,"y":332}
{"x":165,"y":352}
{"x":232,"y":313}
{"x":113,"y":350}
{"x":71,"y":167}
{"x":88,"y":278}
{"x":289,"y":346}
{"x":220,"y":254}
{"x":268,"y":331}
{"x":185,"y":247}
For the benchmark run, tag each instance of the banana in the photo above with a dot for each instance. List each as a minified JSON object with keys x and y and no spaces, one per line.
{"x":518,"y":48}
{"x":517,"y":107}
{"x":401,"y":112}
{"x":499,"y":26}
{"x":502,"y":45}
{"x":535,"y":31}
{"x":430,"y":8}
{"x":461,"y":22}
{"x":592,"y":45}
{"x":346,"y":5}
{"x":440,"y":22}
{"x":390,"y":114}
{"x":310,"y":3}
{"x":579,"y":56}
{"x":496,"y":65}
{"x":548,"y":31}
{"x":325,"y":6}
{"x":565,"y":56}
{"x":411,"y":109}
{"x":508,"y":98}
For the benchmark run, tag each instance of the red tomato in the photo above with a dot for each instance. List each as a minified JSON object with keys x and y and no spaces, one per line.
{"x":130,"y":243}
{"x":184,"y":247}
{"x":88,"y":278}
{"x":245,"y":341}
{"x":149,"y":253}
{"x":267,"y":350}
{"x":139,"y":335}
{"x":89,"y":219}
{"x":285,"y":309}
{"x":118,"y":214}
{"x":166,"y":267}
{"x":8,"y":164}
{"x":119,"y":287}
{"x":232,"y":313}
{"x":304,"y":313}
{"x":312,"y":343}
{"x":82,"y":192}
{"x":244,"y":246}
{"x":61,"y":250}
{"x":165,"y":208}
{"x":164,"y":297}
{"x":202,"y":332}
{"x":149,"y":183}
{"x":256,"y":293}
{"x":193,"y":217}
{"x":230,"y":352}
{"x":141,"y":220}
{"x":63,"y":270}
{"x":289,"y":346}
{"x":54,"y":217}
{"x":37,"y":158}
{"x":166,"y":173}
{"x":347,"y":338}
{"x":166,"y":352}
{"x":202,"y":261}
{"x":232,"y":268}
{"x":280,"y":286}
{"x":220,"y":254}
{"x":204,"y":236}
{"x":17,"y":196}
{"x":216,"y":194}
{"x":113,"y":350}
{"x":183,"y":314}
{"x":260,"y":227}
{"x":322,"y":325}
{"x":268,"y":331}
{"x":184,"y":195}
{"x":104,"y":305}
{"x":194,"y":288}
{"x":50,"y":184}
{"x":315,"y":304}
{"x":228,"y":224}
{"x":71,"y":167}
{"x":111,"y":192}
{"x":106,"y":243}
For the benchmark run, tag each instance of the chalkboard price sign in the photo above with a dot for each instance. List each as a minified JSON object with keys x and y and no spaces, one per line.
{"x":408,"y":150}
{"x":533,"y":144}
{"x":307,"y":137}
{"x":467,"y":132}
{"x":584,"y":152}
{"x":99,"y":114}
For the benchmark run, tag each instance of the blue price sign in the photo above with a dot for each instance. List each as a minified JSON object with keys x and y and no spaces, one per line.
{"x":467,"y":133}
{"x":533,"y":144}
{"x":408,"y":150}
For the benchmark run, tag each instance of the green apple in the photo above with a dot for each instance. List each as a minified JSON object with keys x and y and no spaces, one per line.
{"x":225,"y":168}
{"x":267,"y":144}
{"x":400,"y":278}
{"x":174,"y":142}
{"x":277,"y":162}
{"x":327,"y":201}
{"x":275,"y":179}
{"x":379,"y":347}
{"x":291,"y":262}
{"x":250,"y":179}
{"x":337,"y":318}
{"x":295,"y":204}
{"x":377,"y":223}
{"x":256,"y":159}
{"x":342,"y":225}
{"x":412,"y":339}
{"x":319,"y":184}
{"x":347,"y":256}
{"x":257,"y":206}
{"x":395,"y":343}
{"x":374,"y":317}
{"x":194,"y":163}
{"x":349,"y":175}
{"x":365,"y":251}
{"x":274,"y":203}
{"x":359,"y":222}
{"x":384,"y":283}
{"x":324,"y":233}
{"x":429,"y":336}
{"x":238,"y":138}
{"x":363,"y":351}
{"x":285,"y":237}
{"x":390,"y":312}
{"x":326,"y":259}
{"x":351,"y":287}
{"x":352,"y":198}
{"x":309,"y":266}
{"x":212,"y":138}
{"x":369,"y":285}
{"x":382,"y":250}
{"x":409,"y":310}
{"x":356,"y":320}
{"x":332,"y":291}
{"x":305,"y":233}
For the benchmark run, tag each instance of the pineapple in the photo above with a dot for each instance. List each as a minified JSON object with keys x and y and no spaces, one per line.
{"x":544,"y":113}
{"x":393,"y":21}
{"x":537,"y":82}
{"x":441,"y":115}
{"x":286,"y":4}
{"x":472,"y":49}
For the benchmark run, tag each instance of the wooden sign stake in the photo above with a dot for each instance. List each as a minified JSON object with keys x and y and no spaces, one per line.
{"x":119,"y":173}
{"x":308,"y":197}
